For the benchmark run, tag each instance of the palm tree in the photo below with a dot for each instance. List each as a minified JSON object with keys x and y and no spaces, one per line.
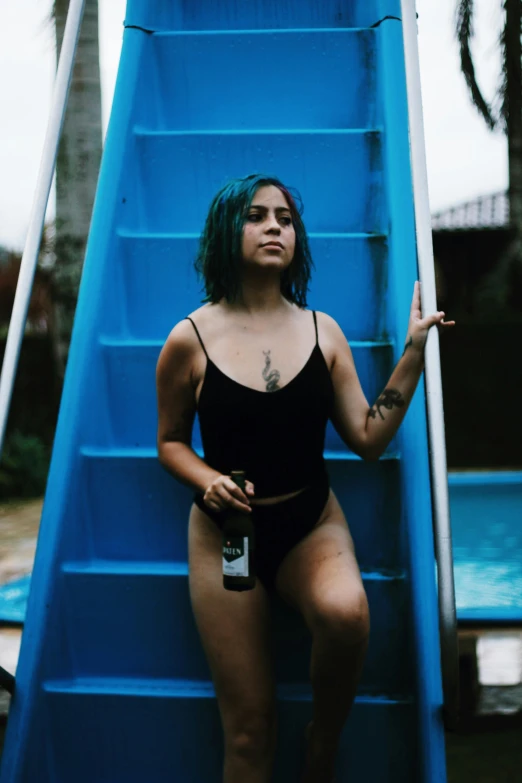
{"x":77,"y":170}
{"x":501,"y":291}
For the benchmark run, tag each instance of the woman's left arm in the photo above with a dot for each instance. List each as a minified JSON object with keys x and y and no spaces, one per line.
{"x":369,"y":430}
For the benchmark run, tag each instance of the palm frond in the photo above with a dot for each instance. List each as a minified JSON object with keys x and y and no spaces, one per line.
{"x":464,"y":31}
{"x":50,"y":18}
{"x":503,"y":87}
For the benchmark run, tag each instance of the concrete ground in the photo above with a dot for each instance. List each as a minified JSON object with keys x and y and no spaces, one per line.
{"x":19,"y":523}
{"x":487,"y":747}
{"x":489,"y":751}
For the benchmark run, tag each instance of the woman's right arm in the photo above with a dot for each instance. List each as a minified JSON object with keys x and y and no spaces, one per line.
{"x":176,"y":399}
{"x":177,"y":410}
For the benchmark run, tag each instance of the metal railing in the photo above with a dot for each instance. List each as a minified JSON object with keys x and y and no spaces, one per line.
{"x":34,"y":235}
{"x":435,"y":412}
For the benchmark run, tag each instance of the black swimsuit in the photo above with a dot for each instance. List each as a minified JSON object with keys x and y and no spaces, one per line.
{"x":277,"y":437}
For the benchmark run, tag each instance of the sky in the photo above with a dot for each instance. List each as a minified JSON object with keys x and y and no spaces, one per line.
{"x":464,"y":159}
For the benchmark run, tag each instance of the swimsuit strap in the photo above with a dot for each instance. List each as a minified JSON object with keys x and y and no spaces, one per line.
{"x":187,"y":318}
{"x":316,"y":333}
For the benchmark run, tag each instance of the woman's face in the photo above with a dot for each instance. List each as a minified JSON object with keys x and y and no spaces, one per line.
{"x":269,"y":220}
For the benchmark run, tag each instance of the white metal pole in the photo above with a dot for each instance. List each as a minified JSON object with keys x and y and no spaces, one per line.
{"x":41,"y":197}
{"x":439,"y":476}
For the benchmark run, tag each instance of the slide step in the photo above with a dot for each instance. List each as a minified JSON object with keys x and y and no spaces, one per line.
{"x":111,"y":342}
{"x":180,"y":569}
{"x":92,"y":452}
{"x":166,"y":134}
{"x":175,"y":688}
{"x":141,"y":235}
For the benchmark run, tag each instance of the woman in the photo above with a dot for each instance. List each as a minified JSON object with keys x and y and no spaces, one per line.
{"x":265,"y":375}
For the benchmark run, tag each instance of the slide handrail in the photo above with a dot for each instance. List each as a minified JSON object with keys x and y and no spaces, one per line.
{"x":433,"y":383}
{"x":41,"y":197}
{"x":25,"y":282}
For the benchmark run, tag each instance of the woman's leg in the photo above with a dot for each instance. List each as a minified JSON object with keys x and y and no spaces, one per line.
{"x":235,"y":632}
{"x":320,"y":578}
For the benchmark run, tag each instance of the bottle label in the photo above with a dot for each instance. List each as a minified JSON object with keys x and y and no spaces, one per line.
{"x":235,"y":556}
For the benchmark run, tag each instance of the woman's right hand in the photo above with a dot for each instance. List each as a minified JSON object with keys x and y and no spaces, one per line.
{"x":224,"y":493}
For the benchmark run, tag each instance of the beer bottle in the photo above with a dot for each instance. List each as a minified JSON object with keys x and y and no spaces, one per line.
{"x":238,"y":545}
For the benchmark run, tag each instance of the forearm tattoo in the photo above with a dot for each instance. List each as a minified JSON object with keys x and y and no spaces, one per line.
{"x":271,"y":377}
{"x":388,"y":399}
{"x":410,"y":342}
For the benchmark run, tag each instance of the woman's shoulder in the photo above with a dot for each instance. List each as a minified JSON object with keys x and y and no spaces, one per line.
{"x":327,"y":323}
{"x":200,"y":317}
{"x":182,"y":335}
{"x":331,"y":337}
{"x":200,"y":313}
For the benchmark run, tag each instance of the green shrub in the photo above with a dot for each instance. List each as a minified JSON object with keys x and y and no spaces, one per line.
{"x":23,"y":467}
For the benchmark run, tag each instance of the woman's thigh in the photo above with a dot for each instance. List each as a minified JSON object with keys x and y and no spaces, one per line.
{"x":235,"y":632}
{"x":320,"y":576}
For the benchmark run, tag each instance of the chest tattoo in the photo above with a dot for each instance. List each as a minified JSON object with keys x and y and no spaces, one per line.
{"x":270,"y":376}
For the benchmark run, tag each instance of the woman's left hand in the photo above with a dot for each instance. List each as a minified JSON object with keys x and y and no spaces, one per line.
{"x":418,"y":326}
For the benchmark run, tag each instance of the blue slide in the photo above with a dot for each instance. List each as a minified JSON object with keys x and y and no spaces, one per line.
{"x":112,"y":684}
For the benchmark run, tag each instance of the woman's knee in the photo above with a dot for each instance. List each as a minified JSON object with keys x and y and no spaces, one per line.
{"x":343,"y":615}
{"x":251,"y":733}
